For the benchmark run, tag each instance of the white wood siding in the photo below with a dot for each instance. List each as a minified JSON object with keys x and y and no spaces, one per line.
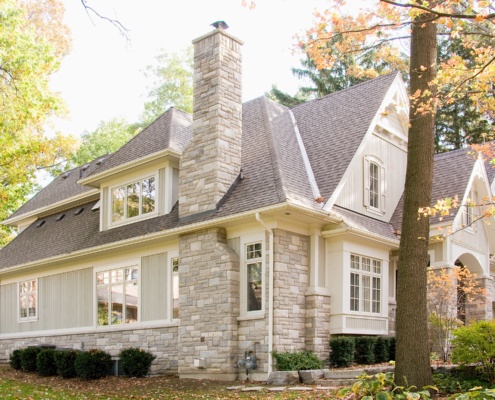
{"x":394,"y":161}
{"x":154,"y":287}
{"x":64,"y":301}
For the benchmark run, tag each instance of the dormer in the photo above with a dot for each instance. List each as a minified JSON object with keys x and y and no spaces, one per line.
{"x":141,"y":180}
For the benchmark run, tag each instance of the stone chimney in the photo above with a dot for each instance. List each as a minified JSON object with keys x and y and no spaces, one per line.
{"x":211,"y":163}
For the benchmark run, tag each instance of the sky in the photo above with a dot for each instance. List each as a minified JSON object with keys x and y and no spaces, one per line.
{"x":103,"y":76}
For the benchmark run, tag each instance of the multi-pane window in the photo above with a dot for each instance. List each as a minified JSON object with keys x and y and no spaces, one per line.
{"x":374,"y":176}
{"x":254,"y":270}
{"x":471,"y":210}
{"x":117,"y":292}
{"x":365,"y":284}
{"x":175,"y":287}
{"x":134,"y":199}
{"x":28,"y":293}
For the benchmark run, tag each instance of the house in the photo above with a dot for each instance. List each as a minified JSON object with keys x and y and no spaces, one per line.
{"x":242,"y":229}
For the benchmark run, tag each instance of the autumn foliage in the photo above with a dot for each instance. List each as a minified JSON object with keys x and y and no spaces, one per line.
{"x":450,"y":290}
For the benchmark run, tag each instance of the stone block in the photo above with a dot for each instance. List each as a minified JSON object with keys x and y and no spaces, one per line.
{"x":279,"y":378}
{"x":310,"y":376}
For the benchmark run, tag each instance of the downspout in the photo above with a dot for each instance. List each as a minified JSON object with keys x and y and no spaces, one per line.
{"x":270,"y":293}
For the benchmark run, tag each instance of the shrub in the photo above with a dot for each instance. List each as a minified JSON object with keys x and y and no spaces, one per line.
{"x":342,"y":351}
{"x":92,"y":364}
{"x":45,"y":362}
{"x":15,"y":359}
{"x":297,"y":361}
{"x":391,"y":348}
{"x":475,"y":344}
{"x":64,"y":360}
{"x":364,"y":348}
{"x":136,"y":362}
{"x":381,"y":349}
{"x":28,"y":358}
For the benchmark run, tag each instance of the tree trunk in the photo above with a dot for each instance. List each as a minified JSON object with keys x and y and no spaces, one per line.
{"x":412,"y":353}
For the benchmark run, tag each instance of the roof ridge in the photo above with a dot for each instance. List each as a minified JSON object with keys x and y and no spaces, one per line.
{"x":272,"y":148}
{"x":352,"y":87}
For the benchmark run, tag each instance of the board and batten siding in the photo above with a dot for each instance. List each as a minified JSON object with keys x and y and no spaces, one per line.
{"x":394,"y":161}
{"x":64,"y":301}
{"x":155,"y":288}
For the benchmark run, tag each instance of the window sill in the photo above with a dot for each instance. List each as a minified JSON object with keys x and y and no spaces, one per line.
{"x":132,"y":220}
{"x":375,"y":211}
{"x":24,"y":320}
{"x":253,"y":316}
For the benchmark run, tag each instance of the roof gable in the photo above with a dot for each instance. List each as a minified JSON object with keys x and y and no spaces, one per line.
{"x":333,"y":127}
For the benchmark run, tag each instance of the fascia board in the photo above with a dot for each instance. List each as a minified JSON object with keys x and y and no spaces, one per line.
{"x":93,"y":180}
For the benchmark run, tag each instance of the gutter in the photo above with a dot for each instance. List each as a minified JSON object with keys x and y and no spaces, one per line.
{"x":362,"y":234}
{"x":167,"y":233}
{"x":270,"y":293}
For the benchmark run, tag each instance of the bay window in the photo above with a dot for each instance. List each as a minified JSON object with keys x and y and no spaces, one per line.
{"x":365,"y":284}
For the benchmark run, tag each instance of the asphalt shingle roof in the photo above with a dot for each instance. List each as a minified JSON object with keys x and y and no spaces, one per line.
{"x":272,"y":162}
{"x":445,"y":182}
{"x":333,"y":127}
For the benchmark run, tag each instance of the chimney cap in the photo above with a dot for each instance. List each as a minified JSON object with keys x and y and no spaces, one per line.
{"x":220,"y":24}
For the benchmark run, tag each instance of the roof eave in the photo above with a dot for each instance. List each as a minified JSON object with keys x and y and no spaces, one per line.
{"x":95,"y":179}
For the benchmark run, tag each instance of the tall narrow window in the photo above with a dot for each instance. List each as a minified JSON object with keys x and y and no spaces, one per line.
{"x":365,"y":284}
{"x":134,"y":199}
{"x":374,"y":184}
{"x":175,"y":287}
{"x":254,"y":270}
{"x":471,"y":208}
{"x":117,"y":292}
{"x":28,"y":294}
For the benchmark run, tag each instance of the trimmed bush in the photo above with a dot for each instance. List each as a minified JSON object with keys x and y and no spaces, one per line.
{"x":15,"y":359}
{"x":296,"y":361}
{"x":381,"y":349}
{"x":136,"y":362}
{"x":92,"y":364}
{"x":64,"y":360}
{"x":28,"y":359}
{"x":45,"y":362}
{"x":342,"y":351}
{"x":391,"y":348}
{"x":364,"y":348}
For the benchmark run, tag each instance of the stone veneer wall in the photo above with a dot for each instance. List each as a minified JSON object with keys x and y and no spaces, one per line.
{"x":318,"y":324}
{"x":212,"y":161}
{"x":291,"y":280}
{"x":162,"y":342}
{"x":209,"y":305}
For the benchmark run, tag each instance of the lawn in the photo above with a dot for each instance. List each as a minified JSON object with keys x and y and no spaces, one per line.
{"x":22,"y":385}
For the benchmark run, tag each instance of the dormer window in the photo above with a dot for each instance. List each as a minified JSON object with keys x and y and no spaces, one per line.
{"x":374,"y":185}
{"x":133,"y":200}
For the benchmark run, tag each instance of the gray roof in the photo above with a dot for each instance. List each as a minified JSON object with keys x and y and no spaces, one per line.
{"x":172,"y":130}
{"x":61,"y":188}
{"x":333,"y":127}
{"x":272,"y":162}
{"x":445,"y":182}
{"x":365,"y":223}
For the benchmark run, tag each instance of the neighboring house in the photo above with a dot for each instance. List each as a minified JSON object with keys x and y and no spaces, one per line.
{"x":244,"y":228}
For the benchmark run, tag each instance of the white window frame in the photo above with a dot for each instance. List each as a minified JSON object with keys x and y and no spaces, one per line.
{"x":27,"y":318}
{"x":171,"y":286}
{"x":127,"y":220}
{"x":379,"y":208}
{"x":364,"y":272}
{"x":245,"y":242}
{"x":120,"y":266}
{"x":471,"y":211}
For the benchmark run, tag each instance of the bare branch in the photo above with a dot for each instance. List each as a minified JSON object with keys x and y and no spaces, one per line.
{"x":437,"y":13}
{"x":124,"y":32}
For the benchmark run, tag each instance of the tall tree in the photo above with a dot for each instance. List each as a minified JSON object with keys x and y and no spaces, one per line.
{"x":386,"y":21}
{"x":459,"y":123}
{"x":172,"y":84}
{"x":33,"y":40}
{"x":108,"y":137}
{"x":347,"y":70}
